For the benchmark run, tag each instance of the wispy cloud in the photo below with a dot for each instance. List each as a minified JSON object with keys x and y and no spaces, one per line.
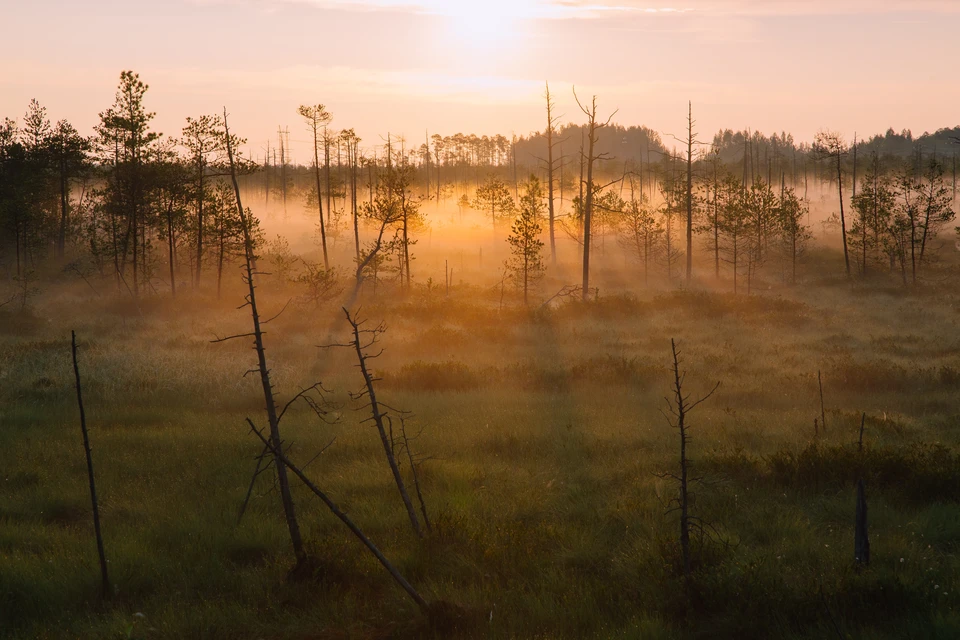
{"x":596,"y":8}
{"x":522,"y":9}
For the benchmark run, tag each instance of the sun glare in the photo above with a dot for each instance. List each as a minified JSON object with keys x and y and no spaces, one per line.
{"x":487,"y":25}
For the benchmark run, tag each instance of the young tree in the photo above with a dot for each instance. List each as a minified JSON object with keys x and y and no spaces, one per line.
{"x":792,"y":233}
{"x":31,"y":186}
{"x":934,"y":207}
{"x":494,"y":196}
{"x":711,"y":224}
{"x":384,"y":212}
{"x":734,"y":221}
{"x":641,"y":234}
{"x":761,"y":209}
{"x":673,"y":191}
{"x":174,"y":194}
{"x":127,"y":144}
{"x":439,"y":146}
{"x":525,"y":264}
{"x":68,"y":150}
{"x":205,"y":145}
{"x":226,"y":231}
{"x":873,"y":208}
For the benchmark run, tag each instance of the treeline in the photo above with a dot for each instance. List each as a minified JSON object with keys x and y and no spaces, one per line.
{"x":154,"y":212}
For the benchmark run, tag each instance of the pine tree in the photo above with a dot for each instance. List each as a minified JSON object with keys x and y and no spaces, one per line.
{"x":525,"y":265}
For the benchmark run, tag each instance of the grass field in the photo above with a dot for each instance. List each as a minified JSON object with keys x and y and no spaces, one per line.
{"x":546,"y":445}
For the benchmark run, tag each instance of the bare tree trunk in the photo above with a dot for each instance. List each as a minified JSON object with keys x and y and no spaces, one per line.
{"x":823,"y":412}
{"x":171,"y":242}
{"x":271,"y":406}
{"x":316,"y":174}
{"x":513,"y":152}
{"x":591,"y":114}
{"x":104,"y":579}
{"x":689,"y":192}
{"x":326,"y":169}
{"x":588,"y":208}
{"x":200,"y":194}
{"x":64,"y":205}
{"x":379,"y":420}
{"x":353,"y":191}
{"x":550,"y":124}
{"x":843,"y":220}
{"x":681,"y":407}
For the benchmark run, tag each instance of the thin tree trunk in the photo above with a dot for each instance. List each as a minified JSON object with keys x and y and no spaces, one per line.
{"x":271,"y":406}
{"x":843,"y":220}
{"x":316,"y":172}
{"x":379,"y":419}
{"x":104,"y":578}
{"x":553,"y":242}
{"x":200,"y":194}
{"x":64,"y":203}
{"x":689,"y":192}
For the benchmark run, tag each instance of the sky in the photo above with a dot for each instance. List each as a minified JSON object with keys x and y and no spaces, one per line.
{"x":414,"y":67}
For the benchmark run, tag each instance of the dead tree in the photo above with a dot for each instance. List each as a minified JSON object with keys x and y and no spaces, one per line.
{"x":405,"y":441}
{"x":589,"y":160}
{"x":313,"y":397}
{"x":551,"y":129}
{"x":679,"y":408}
{"x":257,"y":335}
{"x":363,"y":339}
{"x":397,"y":576}
{"x":104,"y":579}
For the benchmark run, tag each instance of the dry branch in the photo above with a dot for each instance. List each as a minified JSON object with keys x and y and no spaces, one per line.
{"x":397,"y":576}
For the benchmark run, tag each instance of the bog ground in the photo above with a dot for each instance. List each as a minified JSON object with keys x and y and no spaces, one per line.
{"x":545,"y":447}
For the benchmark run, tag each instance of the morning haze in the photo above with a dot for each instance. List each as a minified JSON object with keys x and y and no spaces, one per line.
{"x":502,"y":319}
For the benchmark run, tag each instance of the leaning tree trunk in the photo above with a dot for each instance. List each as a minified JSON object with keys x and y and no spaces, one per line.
{"x":379,"y":420}
{"x":275,"y":441}
{"x":104,"y":579}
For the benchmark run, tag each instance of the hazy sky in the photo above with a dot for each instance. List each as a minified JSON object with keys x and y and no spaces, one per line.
{"x":478,"y":66}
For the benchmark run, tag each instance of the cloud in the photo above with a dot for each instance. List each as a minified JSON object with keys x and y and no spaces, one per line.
{"x":523,"y":9}
{"x":595,"y":8}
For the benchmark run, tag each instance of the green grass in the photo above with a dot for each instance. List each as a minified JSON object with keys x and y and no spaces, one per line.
{"x":546,"y":442}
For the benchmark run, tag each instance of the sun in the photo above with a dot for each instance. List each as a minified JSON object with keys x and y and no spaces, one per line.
{"x":487,"y":25}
